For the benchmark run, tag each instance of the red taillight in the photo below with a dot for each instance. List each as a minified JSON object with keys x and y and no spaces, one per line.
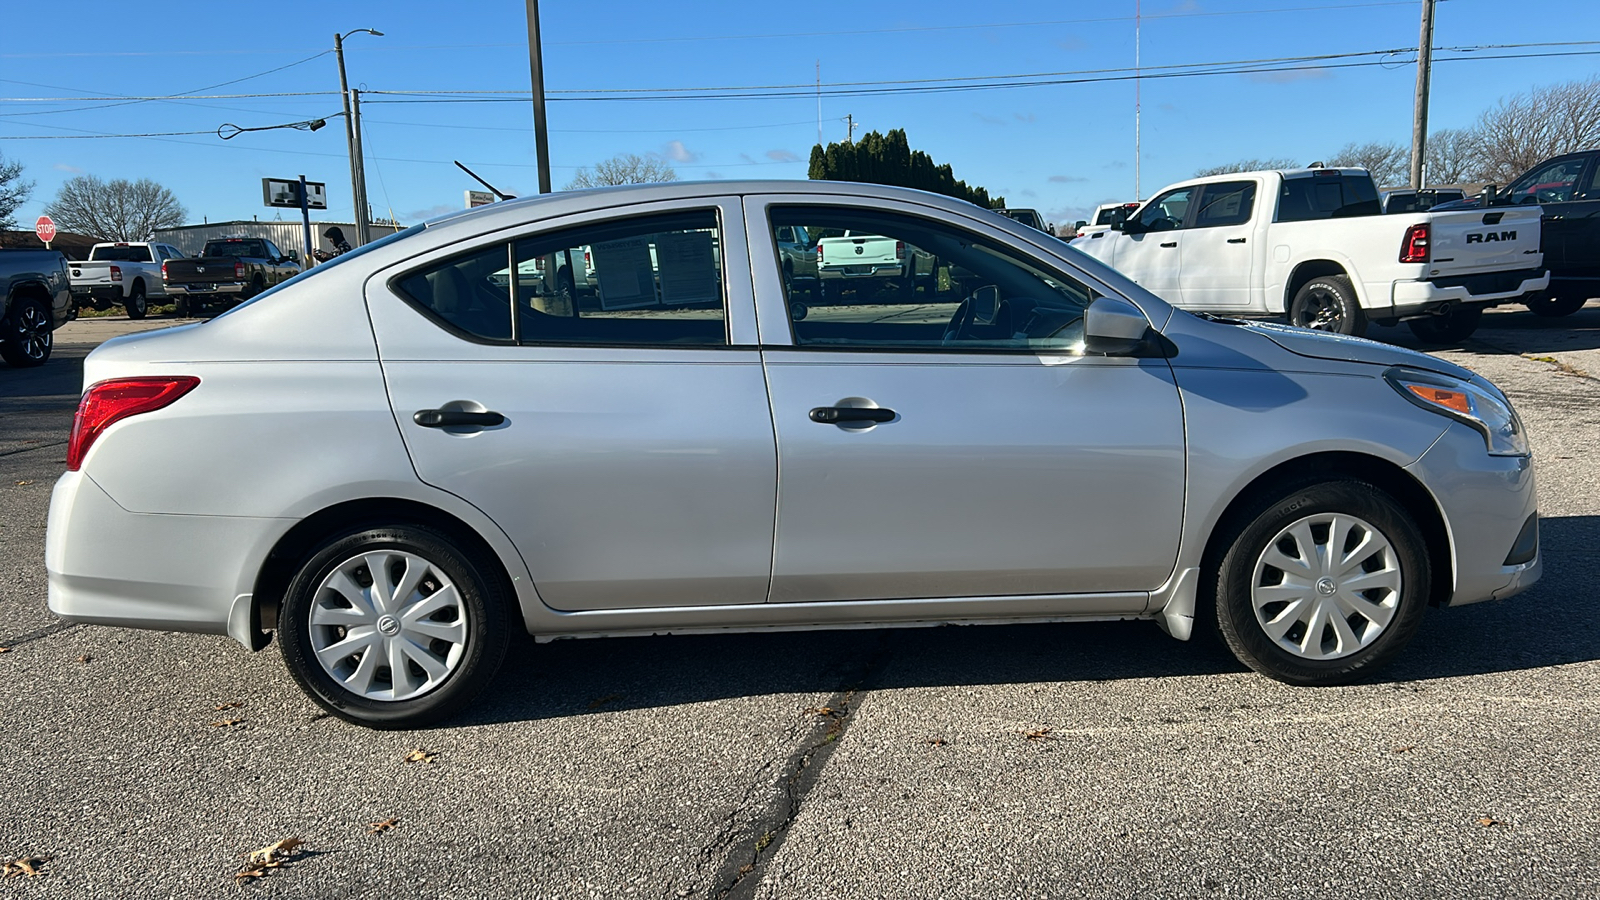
{"x":899,"y":249}
{"x":238,"y":270}
{"x":163,"y":270}
{"x":1414,"y":247}
{"x":107,"y":402}
{"x":819,"y":254}
{"x":116,"y":273}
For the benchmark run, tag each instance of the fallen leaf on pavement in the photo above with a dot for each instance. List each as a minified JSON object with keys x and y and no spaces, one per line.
{"x":935,"y":741}
{"x":285,"y":849}
{"x":419,"y":756}
{"x":86,"y":658}
{"x":5,"y":649}
{"x":31,"y":866}
{"x":1039,"y":734}
{"x":1488,"y":822}
{"x":380,"y":827}
{"x":23,"y":483}
{"x":819,"y":711}
{"x":227,"y":723}
{"x":234,"y":705}
{"x":1405,"y":748}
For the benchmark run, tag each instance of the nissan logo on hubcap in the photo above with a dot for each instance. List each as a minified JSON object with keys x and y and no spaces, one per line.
{"x":1325,"y":586}
{"x":389,"y":625}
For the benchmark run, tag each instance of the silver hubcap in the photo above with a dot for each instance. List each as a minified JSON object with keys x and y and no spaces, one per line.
{"x":388,"y":625}
{"x":33,"y":331}
{"x":1326,"y":586}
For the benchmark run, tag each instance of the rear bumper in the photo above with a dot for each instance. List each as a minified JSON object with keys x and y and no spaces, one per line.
{"x":1487,"y":502}
{"x":108,"y":292}
{"x":1488,"y":288}
{"x":206,"y":290}
{"x":108,"y":566}
{"x":862,"y":271}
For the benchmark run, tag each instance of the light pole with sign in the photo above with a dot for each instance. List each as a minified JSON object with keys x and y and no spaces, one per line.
{"x":299,"y":194}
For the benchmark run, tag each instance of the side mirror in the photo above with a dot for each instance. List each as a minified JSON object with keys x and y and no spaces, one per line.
{"x":1491,"y":193}
{"x":1113,"y":326}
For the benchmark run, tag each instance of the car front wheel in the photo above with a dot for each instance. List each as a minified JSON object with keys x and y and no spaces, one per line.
{"x":394,"y":627}
{"x":1323,"y":585}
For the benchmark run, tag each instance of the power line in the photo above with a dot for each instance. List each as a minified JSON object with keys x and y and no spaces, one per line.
{"x":128,"y":101}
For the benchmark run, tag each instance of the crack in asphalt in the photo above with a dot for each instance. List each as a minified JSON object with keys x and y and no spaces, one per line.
{"x":37,"y":634}
{"x":742,"y":869}
{"x":33,"y":448}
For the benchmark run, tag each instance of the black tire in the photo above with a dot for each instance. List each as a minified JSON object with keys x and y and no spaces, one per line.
{"x":256,"y":287}
{"x":1328,"y":303}
{"x":1451,"y":328}
{"x":27,"y":334}
{"x":1233,"y":581}
{"x":1554,"y":306}
{"x":136,"y":305}
{"x":180,"y":307}
{"x":483,"y":601}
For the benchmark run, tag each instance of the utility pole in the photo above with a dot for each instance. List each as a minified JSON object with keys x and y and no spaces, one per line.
{"x":363,"y":208}
{"x":1137,"y":146}
{"x":850,"y":128}
{"x":541,"y":133}
{"x":306,"y":259}
{"x":352,"y":136}
{"x":819,"y":102}
{"x":1419,"y":118}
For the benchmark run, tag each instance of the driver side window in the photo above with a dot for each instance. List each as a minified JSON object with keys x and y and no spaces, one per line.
{"x":886,"y":280}
{"x":1166,"y":212}
{"x":1553,"y":183}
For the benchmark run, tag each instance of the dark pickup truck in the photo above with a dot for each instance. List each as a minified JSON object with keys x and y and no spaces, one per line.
{"x":35,"y":298}
{"x":227,"y":271}
{"x":1567,"y":188}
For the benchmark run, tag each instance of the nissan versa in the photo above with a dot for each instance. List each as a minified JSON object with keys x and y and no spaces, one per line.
{"x":636,"y":411}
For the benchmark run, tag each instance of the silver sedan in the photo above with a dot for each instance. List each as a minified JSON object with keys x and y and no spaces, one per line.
{"x":395,"y":460}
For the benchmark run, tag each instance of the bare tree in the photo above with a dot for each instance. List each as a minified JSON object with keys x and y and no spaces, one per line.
{"x":13,"y":192}
{"x":1389,"y":162}
{"x":1454,"y":156}
{"x":626,"y":168}
{"x":1249,"y":165}
{"x":117,"y":210}
{"x":1525,"y":129}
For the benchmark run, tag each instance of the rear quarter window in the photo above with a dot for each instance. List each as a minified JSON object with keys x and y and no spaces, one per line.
{"x":1315,"y":197}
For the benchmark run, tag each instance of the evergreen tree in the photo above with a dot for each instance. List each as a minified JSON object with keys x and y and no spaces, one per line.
{"x":889,"y":159}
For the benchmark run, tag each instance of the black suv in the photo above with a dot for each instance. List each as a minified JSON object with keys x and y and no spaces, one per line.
{"x":1568,"y":187}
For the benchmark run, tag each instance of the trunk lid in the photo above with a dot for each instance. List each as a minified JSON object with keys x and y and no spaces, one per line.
{"x":1466,"y":242}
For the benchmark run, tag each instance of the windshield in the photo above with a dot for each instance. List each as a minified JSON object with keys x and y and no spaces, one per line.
{"x":120,"y":254}
{"x":321,"y":268}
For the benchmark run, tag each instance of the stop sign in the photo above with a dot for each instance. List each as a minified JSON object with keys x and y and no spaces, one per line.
{"x":45,"y":229}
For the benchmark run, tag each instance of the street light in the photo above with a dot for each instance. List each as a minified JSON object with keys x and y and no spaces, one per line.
{"x":352,"y":131}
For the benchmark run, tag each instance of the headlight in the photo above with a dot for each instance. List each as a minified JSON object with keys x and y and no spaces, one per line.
{"x":1480,"y":405}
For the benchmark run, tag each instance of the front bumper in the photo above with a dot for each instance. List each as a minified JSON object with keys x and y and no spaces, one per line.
{"x":205,"y":289}
{"x":108,"y":566}
{"x":1416,"y":297}
{"x":1486,"y":502}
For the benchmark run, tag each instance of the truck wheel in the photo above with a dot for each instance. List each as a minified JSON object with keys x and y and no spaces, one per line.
{"x":1554,"y":306}
{"x":1328,"y":304}
{"x":136,"y":305}
{"x":256,"y":287}
{"x":27,"y":337}
{"x":180,"y":307}
{"x":1451,"y":328}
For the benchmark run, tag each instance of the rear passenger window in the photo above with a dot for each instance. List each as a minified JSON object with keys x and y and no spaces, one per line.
{"x":645,"y":281}
{"x":467,"y":294}
{"x":1313,"y":197}
{"x":1226,"y":203}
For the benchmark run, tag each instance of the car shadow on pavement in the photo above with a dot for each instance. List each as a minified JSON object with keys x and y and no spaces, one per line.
{"x":1513,"y":329}
{"x":1551,"y":624}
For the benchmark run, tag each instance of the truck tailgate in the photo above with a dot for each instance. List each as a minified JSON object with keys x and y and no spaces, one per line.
{"x":859,"y":250}
{"x":87,"y":274}
{"x":1465,"y":242}
{"x":203,"y":270}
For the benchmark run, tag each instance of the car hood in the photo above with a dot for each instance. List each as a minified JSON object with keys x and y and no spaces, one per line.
{"x":1344,"y":348}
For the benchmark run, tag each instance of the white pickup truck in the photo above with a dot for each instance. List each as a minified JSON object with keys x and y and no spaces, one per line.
{"x":1313,"y":245}
{"x":855,"y":255}
{"x":125,"y":272}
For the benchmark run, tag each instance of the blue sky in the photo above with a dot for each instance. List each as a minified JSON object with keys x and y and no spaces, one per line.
{"x":1060,"y":148}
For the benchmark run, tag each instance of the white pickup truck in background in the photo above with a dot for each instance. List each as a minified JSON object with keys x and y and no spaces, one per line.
{"x":125,"y":272}
{"x":865,"y":256}
{"x":1314,"y":245}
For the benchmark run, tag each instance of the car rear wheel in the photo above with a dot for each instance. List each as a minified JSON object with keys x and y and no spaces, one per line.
{"x":1322,"y":585}
{"x":394,"y":627}
{"x":28,"y":334}
{"x":1554,"y":306}
{"x":1453,"y":327}
{"x":136,"y":305}
{"x":1328,"y":304}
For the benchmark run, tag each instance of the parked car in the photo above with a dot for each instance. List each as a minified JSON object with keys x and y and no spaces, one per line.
{"x":226,"y":271}
{"x":1028,"y":217}
{"x":35,"y":299}
{"x":1567,"y":189}
{"x":1409,"y":200}
{"x":1106,"y":215}
{"x":1053,"y":443}
{"x":122,"y":272}
{"x":1313,"y":245}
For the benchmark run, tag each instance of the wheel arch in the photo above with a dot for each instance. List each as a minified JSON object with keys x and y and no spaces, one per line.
{"x":286,"y":556}
{"x":1326,"y":466}
{"x":1317,"y":268}
{"x":31,"y":289}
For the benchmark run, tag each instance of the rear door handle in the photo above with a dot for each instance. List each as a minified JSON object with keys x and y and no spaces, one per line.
{"x":450,"y":418}
{"x":833,"y":415}
{"x":1170,"y":244}
{"x":1235,"y":240}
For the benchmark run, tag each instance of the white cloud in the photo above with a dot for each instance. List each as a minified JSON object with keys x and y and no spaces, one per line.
{"x":988,"y":120}
{"x":782,"y":156}
{"x":420,"y":214}
{"x":678,"y":153}
{"x":63,"y":167}
{"x":1065,"y":179}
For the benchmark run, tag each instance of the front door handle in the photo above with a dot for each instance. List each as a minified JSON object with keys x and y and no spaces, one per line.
{"x":1235,"y":240}
{"x":833,"y":415}
{"x":451,"y":418}
{"x":1170,"y":244}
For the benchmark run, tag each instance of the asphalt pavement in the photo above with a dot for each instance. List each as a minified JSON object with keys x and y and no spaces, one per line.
{"x":1101,"y":760}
